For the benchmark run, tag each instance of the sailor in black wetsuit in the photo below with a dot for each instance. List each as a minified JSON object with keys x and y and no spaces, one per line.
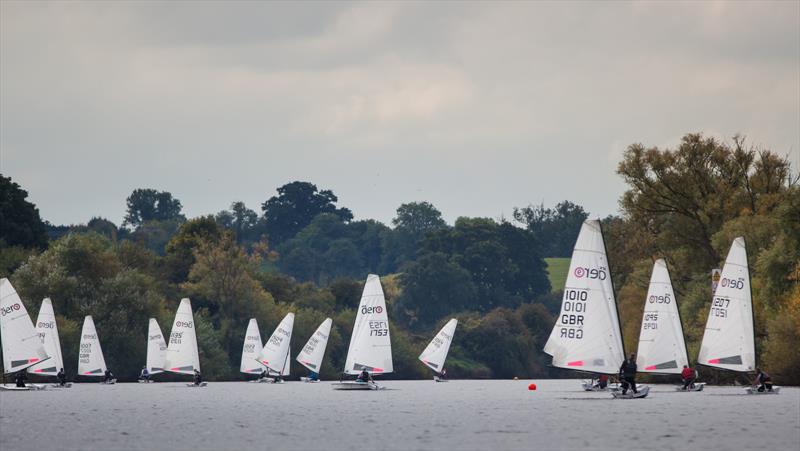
{"x":108,"y":377}
{"x":364,"y":376}
{"x":62,"y":377}
{"x":198,"y":378}
{"x":627,"y":373}
{"x":763,"y":381}
{"x":20,"y":378}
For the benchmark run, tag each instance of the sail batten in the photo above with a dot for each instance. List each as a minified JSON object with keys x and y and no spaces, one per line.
{"x":370,"y":344}
{"x":587,"y":334}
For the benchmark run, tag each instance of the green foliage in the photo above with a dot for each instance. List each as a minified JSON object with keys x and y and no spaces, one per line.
{"x":20,"y":224}
{"x":295,"y":206}
{"x":556,"y":228}
{"x":557,"y":269}
{"x":145,"y":205}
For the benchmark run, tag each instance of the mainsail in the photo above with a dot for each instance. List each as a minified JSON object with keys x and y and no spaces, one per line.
{"x":182,"y":356}
{"x":314,"y":350}
{"x":435,"y":354}
{"x":90,"y":357}
{"x":251,"y":349}
{"x":370,"y":347}
{"x":587,"y":336}
{"x":661,"y":345}
{"x":156,"y":348}
{"x":22,"y":346}
{"x":728,"y":341}
{"x":48,"y":332}
{"x":275,"y":353}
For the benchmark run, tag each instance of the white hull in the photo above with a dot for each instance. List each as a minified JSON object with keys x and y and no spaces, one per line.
{"x":111,"y":382}
{"x":67,"y":385}
{"x":697,"y":387}
{"x":27,"y":387}
{"x":754,"y":391}
{"x":310,"y":381}
{"x":202,"y":384}
{"x":149,"y":381}
{"x":643,"y":390}
{"x":589,"y":386}
{"x":438,"y":379}
{"x":353,"y":385}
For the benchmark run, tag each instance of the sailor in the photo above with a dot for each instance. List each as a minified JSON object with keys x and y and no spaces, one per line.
{"x":313,"y":376}
{"x":688,"y":376}
{"x":627,"y":373}
{"x":62,"y":377}
{"x":602,"y":381}
{"x":20,"y":378}
{"x":364,"y":376}
{"x":198,"y":378}
{"x":263,"y":374}
{"x":109,"y":376}
{"x":763,"y":381}
{"x":443,"y":374}
{"x":144,"y":375}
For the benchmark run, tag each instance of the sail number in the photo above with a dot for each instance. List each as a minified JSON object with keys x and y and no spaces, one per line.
{"x":650,"y":321}
{"x":571,"y":321}
{"x":719,"y":307}
{"x":378,"y":329}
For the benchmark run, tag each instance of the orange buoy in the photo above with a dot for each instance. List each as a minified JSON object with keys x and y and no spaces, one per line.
{"x":532,"y":387}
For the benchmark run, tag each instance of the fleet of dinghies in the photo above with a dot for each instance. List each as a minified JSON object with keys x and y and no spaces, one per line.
{"x":586,"y":337}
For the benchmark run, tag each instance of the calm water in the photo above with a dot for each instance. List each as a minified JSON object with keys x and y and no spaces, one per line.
{"x":409,"y":415}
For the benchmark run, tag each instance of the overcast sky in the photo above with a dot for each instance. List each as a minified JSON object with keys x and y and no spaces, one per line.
{"x":475,"y":107}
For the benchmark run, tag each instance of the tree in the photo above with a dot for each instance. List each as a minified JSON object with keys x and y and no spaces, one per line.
{"x":412,"y":222}
{"x":150,"y":205}
{"x":20,"y":224}
{"x":241,"y":220}
{"x":180,"y":250}
{"x":295,"y":206}
{"x":556,"y":228}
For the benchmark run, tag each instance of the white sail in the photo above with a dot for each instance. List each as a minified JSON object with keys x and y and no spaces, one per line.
{"x":587,"y":335}
{"x":90,"y":356}
{"x":182,"y":356}
{"x":156,"y":348}
{"x":436,"y":353}
{"x":274,"y":354}
{"x":661,"y":345}
{"x":251,"y":349}
{"x":370,"y":347}
{"x":22,"y":346}
{"x":728,"y":341}
{"x":314,"y":350}
{"x":47,"y":330}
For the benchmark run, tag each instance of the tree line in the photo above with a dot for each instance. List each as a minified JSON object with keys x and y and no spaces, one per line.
{"x":305,"y":253}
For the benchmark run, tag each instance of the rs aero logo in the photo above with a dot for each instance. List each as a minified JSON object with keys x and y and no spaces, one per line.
{"x":11,"y":308}
{"x":590,"y":273}
{"x":183,"y":324}
{"x":653,"y":299}
{"x":46,"y":325}
{"x":367,"y":310}
{"x":732,"y":283}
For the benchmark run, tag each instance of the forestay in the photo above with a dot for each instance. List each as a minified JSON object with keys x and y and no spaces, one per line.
{"x":22,"y":346}
{"x":156,"y":348}
{"x":182,"y":356}
{"x":370,"y":345}
{"x":275,"y":353}
{"x":90,"y":356}
{"x":587,"y":335}
{"x":250,"y":349}
{"x":436,"y":353}
{"x":47,"y":330}
{"x":728,"y":341}
{"x":661,"y":345}
{"x":314,"y":350}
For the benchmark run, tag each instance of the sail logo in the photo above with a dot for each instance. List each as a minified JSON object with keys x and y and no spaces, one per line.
{"x":367,"y":310}
{"x":183,"y":324}
{"x":46,"y":325}
{"x":89,"y":336}
{"x":666,"y":299}
{"x":590,"y":273}
{"x":733,"y":283}
{"x":252,"y":338}
{"x":10,"y":309}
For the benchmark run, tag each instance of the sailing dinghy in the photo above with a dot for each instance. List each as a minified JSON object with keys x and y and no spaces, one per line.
{"x":370,"y":345}
{"x":729,"y":341}
{"x":22,"y":347}
{"x":587,"y":335}
{"x":436,"y":353}
{"x":314,"y":350}
{"x":182,"y":356}
{"x":91,"y":362}
{"x":156,"y":350}
{"x":662,"y":349}
{"x":250,"y":350}
{"x":47,"y":329}
{"x":275,"y":353}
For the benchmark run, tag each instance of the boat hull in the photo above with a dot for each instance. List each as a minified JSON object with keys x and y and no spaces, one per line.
{"x":754,"y":391}
{"x":310,"y":381}
{"x":352,"y":385}
{"x":643,"y":390}
{"x":27,"y":387}
{"x":202,"y":384}
{"x":697,"y":387}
